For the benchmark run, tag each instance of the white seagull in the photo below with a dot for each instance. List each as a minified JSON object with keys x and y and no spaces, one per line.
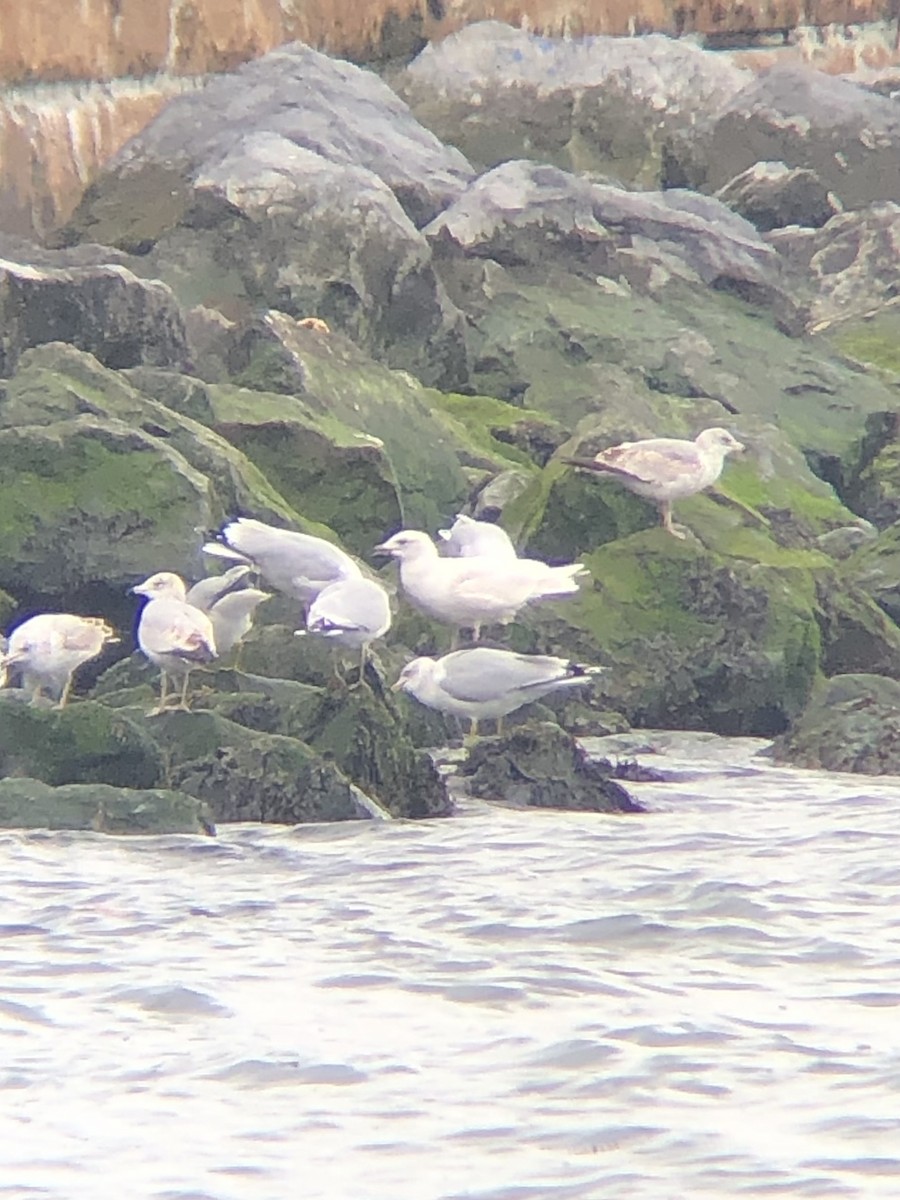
{"x":173,"y":634}
{"x":351,"y":613}
{"x":470,"y":592}
{"x":480,"y":682}
{"x":46,"y":650}
{"x":665,"y":469}
{"x":296,"y":564}
{"x":229,"y":604}
{"x":470,"y":538}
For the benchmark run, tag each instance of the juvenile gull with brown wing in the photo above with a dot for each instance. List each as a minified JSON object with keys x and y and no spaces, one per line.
{"x":665,"y":469}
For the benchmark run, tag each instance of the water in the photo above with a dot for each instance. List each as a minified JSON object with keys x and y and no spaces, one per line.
{"x":701,"y":1001}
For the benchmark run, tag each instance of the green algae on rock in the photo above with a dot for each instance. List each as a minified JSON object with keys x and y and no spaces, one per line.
{"x":852,"y":723}
{"x":86,"y":742}
{"x":100,"y":808}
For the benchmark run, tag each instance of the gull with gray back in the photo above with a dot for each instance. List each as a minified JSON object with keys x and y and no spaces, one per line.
{"x":173,"y":634}
{"x":480,"y":682}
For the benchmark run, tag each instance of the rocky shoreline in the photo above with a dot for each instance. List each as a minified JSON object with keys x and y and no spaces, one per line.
{"x":520,"y":251}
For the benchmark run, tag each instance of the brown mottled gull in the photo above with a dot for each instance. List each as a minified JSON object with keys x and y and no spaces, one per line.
{"x":665,"y":469}
{"x":46,"y":650}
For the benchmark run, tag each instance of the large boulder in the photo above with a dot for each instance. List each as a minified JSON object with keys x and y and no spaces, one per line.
{"x":848,"y":270}
{"x":542,"y":766}
{"x":345,"y":440}
{"x":852,"y":723}
{"x":585,"y":301}
{"x":100,"y":307}
{"x":848,"y":135}
{"x":101,"y":485}
{"x":600,"y":104}
{"x":771,"y":195}
{"x":298,"y":182}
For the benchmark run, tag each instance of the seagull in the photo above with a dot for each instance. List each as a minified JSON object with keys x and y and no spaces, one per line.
{"x":229,"y":604}
{"x":471,"y":592}
{"x":47,"y":649}
{"x":469,"y":538}
{"x":665,"y":469}
{"x":296,"y":564}
{"x":352,"y":613}
{"x":481,"y":682}
{"x":173,"y":634}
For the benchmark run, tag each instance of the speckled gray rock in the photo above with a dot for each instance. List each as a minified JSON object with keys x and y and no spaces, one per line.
{"x":771,"y":194}
{"x":298,"y":182}
{"x":102,"y":307}
{"x":597,"y":103}
{"x":805,"y":118}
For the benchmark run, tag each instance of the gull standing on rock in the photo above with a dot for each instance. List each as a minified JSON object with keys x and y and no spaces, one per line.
{"x":481,"y":682}
{"x":665,"y":469}
{"x":470,"y":592}
{"x":47,"y":649}
{"x":229,"y":604}
{"x":352,"y":613}
{"x":296,"y":564}
{"x":173,"y":634}
{"x":470,"y":538}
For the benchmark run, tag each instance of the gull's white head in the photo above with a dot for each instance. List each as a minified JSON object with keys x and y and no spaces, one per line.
{"x":162,"y":585}
{"x":719,"y":441}
{"x":414,"y":675}
{"x":407,"y":545}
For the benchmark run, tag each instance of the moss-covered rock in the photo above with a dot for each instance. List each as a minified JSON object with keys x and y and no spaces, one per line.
{"x":852,"y":723}
{"x":363,"y":732}
{"x":542,"y":766}
{"x":245,"y":775}
{"x":86,"y":742}
{"x":32,"y":804}
{"x":101,"y":485}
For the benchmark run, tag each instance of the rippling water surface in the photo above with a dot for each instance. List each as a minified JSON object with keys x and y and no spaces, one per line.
{"x":700,"y":1001}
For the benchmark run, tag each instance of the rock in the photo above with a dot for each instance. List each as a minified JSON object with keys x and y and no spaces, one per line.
{"x":770,"y":195}
{"x":31,"y":804}
{"x":85,"y":742}
{"x":872,"y":481}
{"x":597,"y":104}
{"x":103,"y":308}
{"x":542,"y":766}
{"x":526,"y":213}
{"x":102,"y":485}
{"x":365,"y":737}
{"x":852,"y":723}
{"x":345,"y":738}
{"x":349,"y":443}
{"x":678,"y":322}
{"x":848,"y":268}
{"x":244,"y":775}
{"x":298,"y":183}
{"x":846,"y":134}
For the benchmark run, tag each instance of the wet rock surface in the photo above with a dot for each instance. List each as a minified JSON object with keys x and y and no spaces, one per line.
{"x":851,"y":724}
{"x":542,"y":766}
